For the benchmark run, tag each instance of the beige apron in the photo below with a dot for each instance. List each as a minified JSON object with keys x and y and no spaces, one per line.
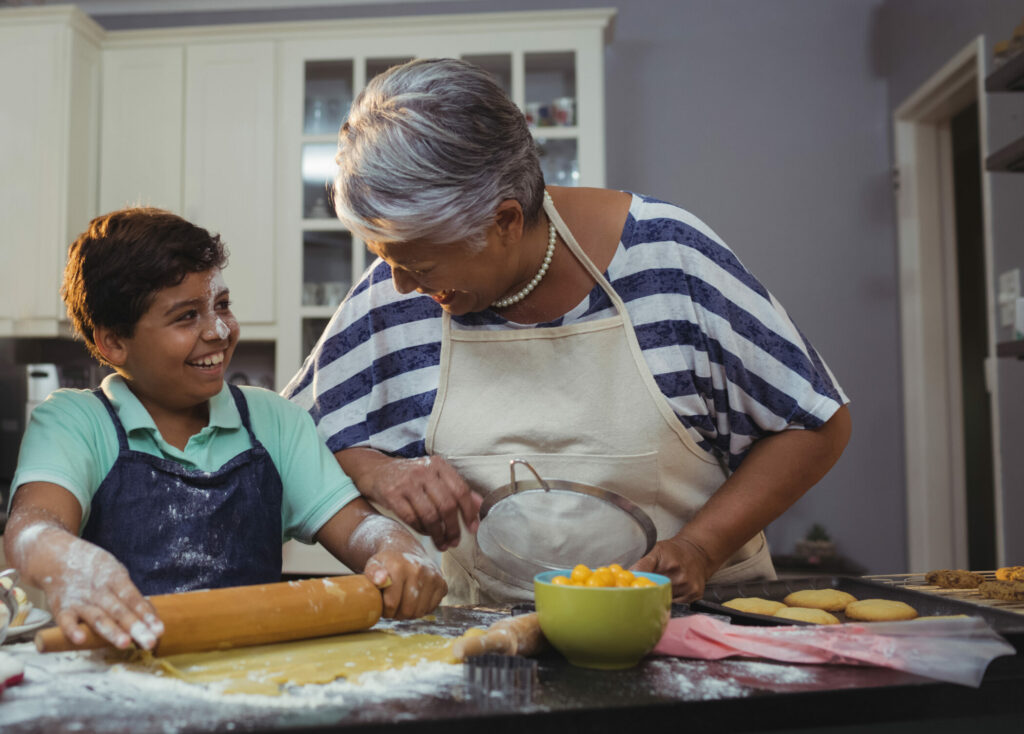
{"x":579,"y":403}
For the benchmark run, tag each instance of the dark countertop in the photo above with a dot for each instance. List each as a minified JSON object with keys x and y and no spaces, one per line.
{"x":75,"y":693}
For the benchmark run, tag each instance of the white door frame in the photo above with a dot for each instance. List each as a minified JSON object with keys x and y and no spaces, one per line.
{"x":930,"y":329}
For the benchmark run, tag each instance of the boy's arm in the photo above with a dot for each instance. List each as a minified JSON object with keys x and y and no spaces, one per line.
{"x":389,"y":555}
{"x":82,"y":582}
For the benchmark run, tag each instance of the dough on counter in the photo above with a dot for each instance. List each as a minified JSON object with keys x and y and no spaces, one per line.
{"x":831,"y":600}
{"x":807,"y":614}
{"x":1010,"y":573}
{"x":754,"y":605}
{"x":954,"y":579}
{"x":264,"y":669}
{"x":880,"y":610}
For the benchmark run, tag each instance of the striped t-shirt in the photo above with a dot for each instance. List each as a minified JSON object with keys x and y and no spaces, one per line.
{"x":727,"y":357}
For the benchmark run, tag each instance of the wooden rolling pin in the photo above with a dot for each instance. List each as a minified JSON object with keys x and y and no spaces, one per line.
{"x":518,"y":635}
{"x":249,"y":615}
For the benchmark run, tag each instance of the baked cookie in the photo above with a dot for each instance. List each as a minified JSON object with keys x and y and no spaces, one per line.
{"x":954,"y":579}
{"x":805,"y":614}
{"x":1005,"y":590}
{"x":831,"y":600}
{"x":880,"y":610}
{"x":754,"y":605}
{"x":1010,"y":573}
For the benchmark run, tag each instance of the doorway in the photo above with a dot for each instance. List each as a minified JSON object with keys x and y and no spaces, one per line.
{"x":944,"y":229}
{"x":973,"y":333}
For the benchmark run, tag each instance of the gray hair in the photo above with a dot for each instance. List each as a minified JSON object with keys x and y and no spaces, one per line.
{"x":429,"y":150}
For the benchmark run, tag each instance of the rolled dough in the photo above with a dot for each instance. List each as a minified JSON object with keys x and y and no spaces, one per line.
{"x":265,"y":669}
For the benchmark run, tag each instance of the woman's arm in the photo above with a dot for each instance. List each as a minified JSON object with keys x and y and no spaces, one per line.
{"x":776,"y":472}
{"x":82,"y":582}
{"x":364,"y":540}
{"x":427,"y":494}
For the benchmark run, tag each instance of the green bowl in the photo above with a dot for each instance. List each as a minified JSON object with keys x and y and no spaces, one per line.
{"x":606,"y":628}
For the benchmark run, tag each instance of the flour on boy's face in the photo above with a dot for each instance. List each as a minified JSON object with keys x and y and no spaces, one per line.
{"x":182,"y":346}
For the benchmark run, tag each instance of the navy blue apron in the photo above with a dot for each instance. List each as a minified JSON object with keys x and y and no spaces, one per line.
{"x":179,"y":529}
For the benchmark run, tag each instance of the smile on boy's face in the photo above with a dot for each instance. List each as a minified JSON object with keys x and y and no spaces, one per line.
{"x":181,"y":347}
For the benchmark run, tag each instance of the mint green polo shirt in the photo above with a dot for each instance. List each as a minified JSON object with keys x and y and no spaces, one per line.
{"x":71,"y":441}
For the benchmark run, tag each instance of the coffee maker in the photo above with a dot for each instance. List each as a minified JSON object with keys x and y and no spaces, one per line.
{"x":23,"y":388}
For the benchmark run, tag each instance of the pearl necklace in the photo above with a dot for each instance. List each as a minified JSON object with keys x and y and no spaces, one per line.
{"x":517,"y":297}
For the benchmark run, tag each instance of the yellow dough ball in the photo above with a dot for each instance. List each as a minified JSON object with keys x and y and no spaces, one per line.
{"x":805,"y":614}
{"x":831,"y":600}
{"x":755,"y":605}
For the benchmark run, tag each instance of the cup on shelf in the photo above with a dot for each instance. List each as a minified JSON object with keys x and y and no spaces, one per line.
{"x":564,"y":111}
{"x":335,"y":292}
{"x":312,"y":294}
{"x":539,"y":114}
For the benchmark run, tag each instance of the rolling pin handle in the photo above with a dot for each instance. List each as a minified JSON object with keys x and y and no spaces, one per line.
{"x":53,"y":639}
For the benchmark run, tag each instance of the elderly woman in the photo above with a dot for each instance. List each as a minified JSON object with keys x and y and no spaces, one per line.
{"x":608,"y":338}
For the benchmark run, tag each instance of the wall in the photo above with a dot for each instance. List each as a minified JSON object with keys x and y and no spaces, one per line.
{"x":767,"y":119}
{"x":911,"y":40}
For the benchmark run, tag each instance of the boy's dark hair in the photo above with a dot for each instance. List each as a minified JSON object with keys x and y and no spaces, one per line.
{"x":116,"y":267}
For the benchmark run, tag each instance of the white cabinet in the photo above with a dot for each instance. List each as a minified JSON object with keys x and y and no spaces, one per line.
{"x":49,"y":102}
{"x":189,"y":126}
{"x":142,"y":127}
{"x":229,"y":165}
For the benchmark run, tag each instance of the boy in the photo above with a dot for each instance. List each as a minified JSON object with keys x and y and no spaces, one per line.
{"x":175,"y":480}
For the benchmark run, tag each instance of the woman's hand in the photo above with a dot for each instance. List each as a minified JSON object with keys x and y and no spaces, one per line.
{"x":427,"y":494}
{"x":684,"y":562}
{"x":82,"y":582}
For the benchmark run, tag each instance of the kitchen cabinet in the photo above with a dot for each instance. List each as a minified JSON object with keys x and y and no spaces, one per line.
{"x":188,"y":125}
{"x":49,"y":84}
{"x":229,"y":165}
{"x":1007,"y":78}
{"x":234,"y":127}
{"x":142,"y":127}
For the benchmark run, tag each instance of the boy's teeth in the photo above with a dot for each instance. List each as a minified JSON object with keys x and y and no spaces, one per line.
{"x":211,"y":360}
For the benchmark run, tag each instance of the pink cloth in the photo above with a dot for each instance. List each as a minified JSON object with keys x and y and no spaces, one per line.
{"x":954,"y":649}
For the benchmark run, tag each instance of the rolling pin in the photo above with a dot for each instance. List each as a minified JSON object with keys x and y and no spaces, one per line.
{"x":248,"y":615}
{"x":518,"y":635}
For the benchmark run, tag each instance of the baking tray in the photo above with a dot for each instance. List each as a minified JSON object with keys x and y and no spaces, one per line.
{"x":1009,"y":624}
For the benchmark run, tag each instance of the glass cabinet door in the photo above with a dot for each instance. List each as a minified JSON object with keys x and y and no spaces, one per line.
{"x":380,"y":65}
{"x":550,"y":108}
{"x":499,"y":66}
{"x":328,"y":96}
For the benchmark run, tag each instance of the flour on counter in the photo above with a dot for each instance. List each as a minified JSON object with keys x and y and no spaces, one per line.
{"x":82,"y":686}
{"x":693,"y":680}
{"x":702,"y":680}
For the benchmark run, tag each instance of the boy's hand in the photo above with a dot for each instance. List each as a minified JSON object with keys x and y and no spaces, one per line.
{"x":82,"y":582}
{"x":410,"y":582}
{"x":95,"y":588}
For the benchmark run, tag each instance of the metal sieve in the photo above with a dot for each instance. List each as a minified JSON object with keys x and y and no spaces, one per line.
{"x":531,"y":526}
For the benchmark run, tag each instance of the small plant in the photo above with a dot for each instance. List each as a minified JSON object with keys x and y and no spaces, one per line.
{"x":818,"y":532}
{"x":816,"y":545}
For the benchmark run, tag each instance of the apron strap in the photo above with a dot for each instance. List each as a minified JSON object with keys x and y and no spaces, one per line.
{"x":243,"y":412}
{"x":634,"y":344}
{"x":122,"y":437}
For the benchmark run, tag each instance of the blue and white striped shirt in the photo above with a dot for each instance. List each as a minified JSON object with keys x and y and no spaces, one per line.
{"x":727,"y":357}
